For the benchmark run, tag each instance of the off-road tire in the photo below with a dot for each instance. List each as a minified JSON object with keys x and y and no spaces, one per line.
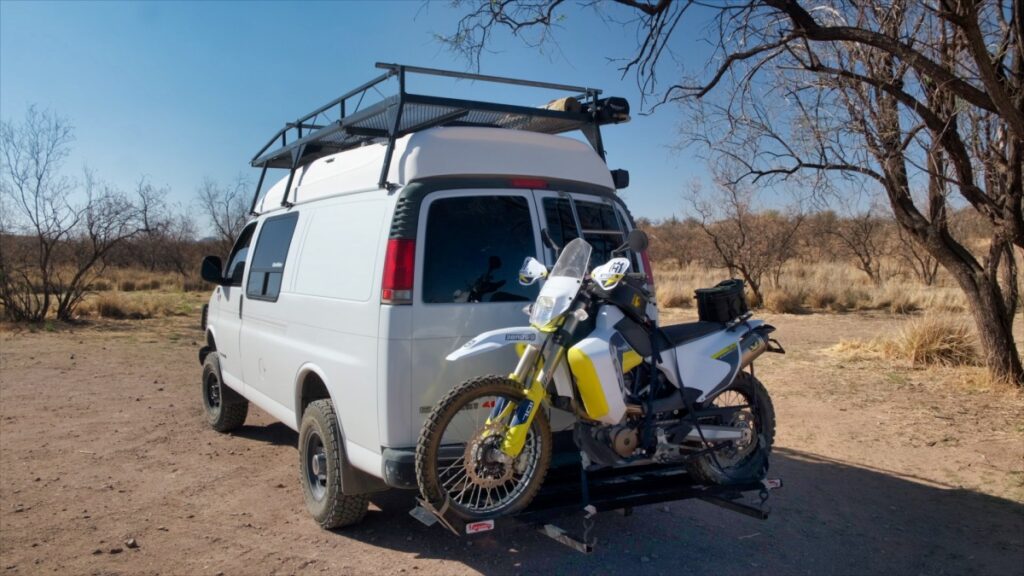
{"x":433,"y":429}
{"x":704,"y":470}
{"x":333,"y":509}
{"x":231,"y":412}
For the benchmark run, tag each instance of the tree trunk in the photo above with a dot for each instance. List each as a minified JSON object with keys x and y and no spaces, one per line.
{"x":994,"y":323}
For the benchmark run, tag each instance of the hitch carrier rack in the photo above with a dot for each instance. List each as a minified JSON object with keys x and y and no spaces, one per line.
{"x":341,"y":124}
{"x":567,"y":490}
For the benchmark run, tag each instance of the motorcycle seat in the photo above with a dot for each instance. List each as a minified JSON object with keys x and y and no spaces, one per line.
{"x":681,"y":333}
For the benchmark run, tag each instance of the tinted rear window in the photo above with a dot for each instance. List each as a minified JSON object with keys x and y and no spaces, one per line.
{"x":475,"y":246}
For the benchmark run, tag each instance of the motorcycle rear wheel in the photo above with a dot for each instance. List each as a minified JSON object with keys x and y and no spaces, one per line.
{"x":457,"y":459}
{"x":741,"y":464}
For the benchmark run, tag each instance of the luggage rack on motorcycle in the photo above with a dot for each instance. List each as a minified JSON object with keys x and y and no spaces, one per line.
{"x":341,"y":124}
{"x":566,"y":491}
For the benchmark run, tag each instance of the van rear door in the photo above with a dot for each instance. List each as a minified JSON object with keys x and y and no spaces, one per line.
{"x":470,"y":247}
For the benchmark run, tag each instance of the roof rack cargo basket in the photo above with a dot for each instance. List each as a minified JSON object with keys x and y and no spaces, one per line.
{"x":341,"y":124}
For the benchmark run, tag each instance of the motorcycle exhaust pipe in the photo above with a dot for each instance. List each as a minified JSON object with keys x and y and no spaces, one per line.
{"x":755,"y":343}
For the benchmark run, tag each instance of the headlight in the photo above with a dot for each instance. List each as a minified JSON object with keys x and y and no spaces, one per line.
{"x":545,"y":313}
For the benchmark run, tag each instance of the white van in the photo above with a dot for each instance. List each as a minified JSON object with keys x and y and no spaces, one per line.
{"x":382,"y":251}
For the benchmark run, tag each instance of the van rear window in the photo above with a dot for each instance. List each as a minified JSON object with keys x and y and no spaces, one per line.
{"x":475,"y":246}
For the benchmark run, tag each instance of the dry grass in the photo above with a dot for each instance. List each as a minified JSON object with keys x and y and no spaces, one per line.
{"x":140,"y":305}
{"x":784,"y":302}
{"x":931,"y":340}
{"x":822,"y":287}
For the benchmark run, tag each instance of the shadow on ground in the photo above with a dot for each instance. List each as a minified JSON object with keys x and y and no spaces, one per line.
{"x":830,"y":518}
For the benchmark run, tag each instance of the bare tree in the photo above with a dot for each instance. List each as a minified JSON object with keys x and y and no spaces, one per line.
{"x":167,"y":239}
{"x":863,"y":235}
{"x":51,"y":247}
{"x":920,"y":261}
{"x":755,"y":245}
{"x":894,"y":93}
{"x":227,"y":209}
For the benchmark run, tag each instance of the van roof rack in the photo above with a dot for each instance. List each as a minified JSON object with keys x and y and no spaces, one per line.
{"x":341,"y":124}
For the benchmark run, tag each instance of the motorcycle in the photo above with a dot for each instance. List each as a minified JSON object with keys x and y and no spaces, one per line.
{"x":640,"y":393}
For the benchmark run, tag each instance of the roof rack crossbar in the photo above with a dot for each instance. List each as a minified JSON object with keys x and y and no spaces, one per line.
{"x":396,"y":68}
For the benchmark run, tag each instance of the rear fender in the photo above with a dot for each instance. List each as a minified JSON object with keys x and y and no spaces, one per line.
{"x":496,"y":339}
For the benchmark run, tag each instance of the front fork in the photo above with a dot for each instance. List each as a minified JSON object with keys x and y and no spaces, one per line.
{"x":536,"y":366}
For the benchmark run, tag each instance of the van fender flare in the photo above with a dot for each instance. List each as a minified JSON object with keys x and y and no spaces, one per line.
{"x":495,"y":339}
{"x":353,"y":480}
{"x":210,"y":346}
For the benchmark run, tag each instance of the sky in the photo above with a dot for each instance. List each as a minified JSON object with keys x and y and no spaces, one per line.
{"x":182,"y":92}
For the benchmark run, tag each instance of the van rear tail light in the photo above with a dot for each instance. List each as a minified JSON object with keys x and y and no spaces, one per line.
{"x":399,"y":263}
{"x":648,"y":270}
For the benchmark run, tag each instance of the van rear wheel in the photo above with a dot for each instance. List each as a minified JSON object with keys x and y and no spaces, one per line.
{"x":320,"y":462}
{"x":225,"y":409}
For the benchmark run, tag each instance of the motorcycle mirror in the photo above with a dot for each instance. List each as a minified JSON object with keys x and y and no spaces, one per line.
{"x":532,"y":271}
{"x":637,"y":240}
{"x":493,"y":263}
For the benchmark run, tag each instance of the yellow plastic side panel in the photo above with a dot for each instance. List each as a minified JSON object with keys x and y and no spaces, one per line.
{"x":631,"y":360}
{"x":588,"y":383}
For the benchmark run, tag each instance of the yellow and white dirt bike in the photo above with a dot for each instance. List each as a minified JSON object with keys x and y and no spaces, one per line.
{"x":640,"y":393}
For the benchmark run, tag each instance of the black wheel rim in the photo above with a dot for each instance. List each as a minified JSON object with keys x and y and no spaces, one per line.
{"x":739,"y":453}
{"x":211,"y":393}
{"x":315,"y":464}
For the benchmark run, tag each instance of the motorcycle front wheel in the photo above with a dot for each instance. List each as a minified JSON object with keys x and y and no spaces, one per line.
{"x":747,"y":460}
{"x":458,"y":456}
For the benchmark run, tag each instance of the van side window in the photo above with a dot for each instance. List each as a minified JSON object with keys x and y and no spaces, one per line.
{"x":236,"y":263}
{"x":267,"y":269}
{"x":474,"y":248}
{"x":560,"y":221}
{"x":600,"y":228}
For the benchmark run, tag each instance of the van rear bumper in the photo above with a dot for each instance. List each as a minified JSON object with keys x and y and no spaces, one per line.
{"x":399,"y":467}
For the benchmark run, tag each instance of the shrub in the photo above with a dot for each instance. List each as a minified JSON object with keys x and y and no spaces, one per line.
{"x":784,"y":302}
{"x":114,"y":306}
{"x":194,"y":285}
{"x":127,"y":286}
{"x":933,"y":340}
{"x":674,"y":296}
{"x":100,"y":286}
{"x":822,"y":298}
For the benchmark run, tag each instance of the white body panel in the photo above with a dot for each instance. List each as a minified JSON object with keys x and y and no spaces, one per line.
{"x":383,"y":365}
{"x":494,"y":339}
{"x":695,"y":359}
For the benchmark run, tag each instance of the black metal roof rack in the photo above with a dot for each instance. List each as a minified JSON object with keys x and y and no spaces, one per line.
{"x":341,"y":124}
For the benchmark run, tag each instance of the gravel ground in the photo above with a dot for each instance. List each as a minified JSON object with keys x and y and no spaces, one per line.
{"x":107,"y":468}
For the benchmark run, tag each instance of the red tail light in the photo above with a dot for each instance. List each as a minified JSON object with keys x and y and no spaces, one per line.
{"x":648,"y":269}
{"x":528,"y":183}
{"x":399,"y":268}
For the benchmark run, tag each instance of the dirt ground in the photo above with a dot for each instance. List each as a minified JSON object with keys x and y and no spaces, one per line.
{"x":887,"y":470}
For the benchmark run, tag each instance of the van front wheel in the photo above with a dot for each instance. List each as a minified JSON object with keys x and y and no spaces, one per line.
{"x":320,"y":462}
{"x":225,"y":409}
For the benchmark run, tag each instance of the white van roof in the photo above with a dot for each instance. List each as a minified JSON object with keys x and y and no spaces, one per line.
{"x":444,"y":151}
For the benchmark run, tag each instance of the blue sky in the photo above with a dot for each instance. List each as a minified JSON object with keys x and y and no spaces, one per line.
{"x":179,"y":92}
